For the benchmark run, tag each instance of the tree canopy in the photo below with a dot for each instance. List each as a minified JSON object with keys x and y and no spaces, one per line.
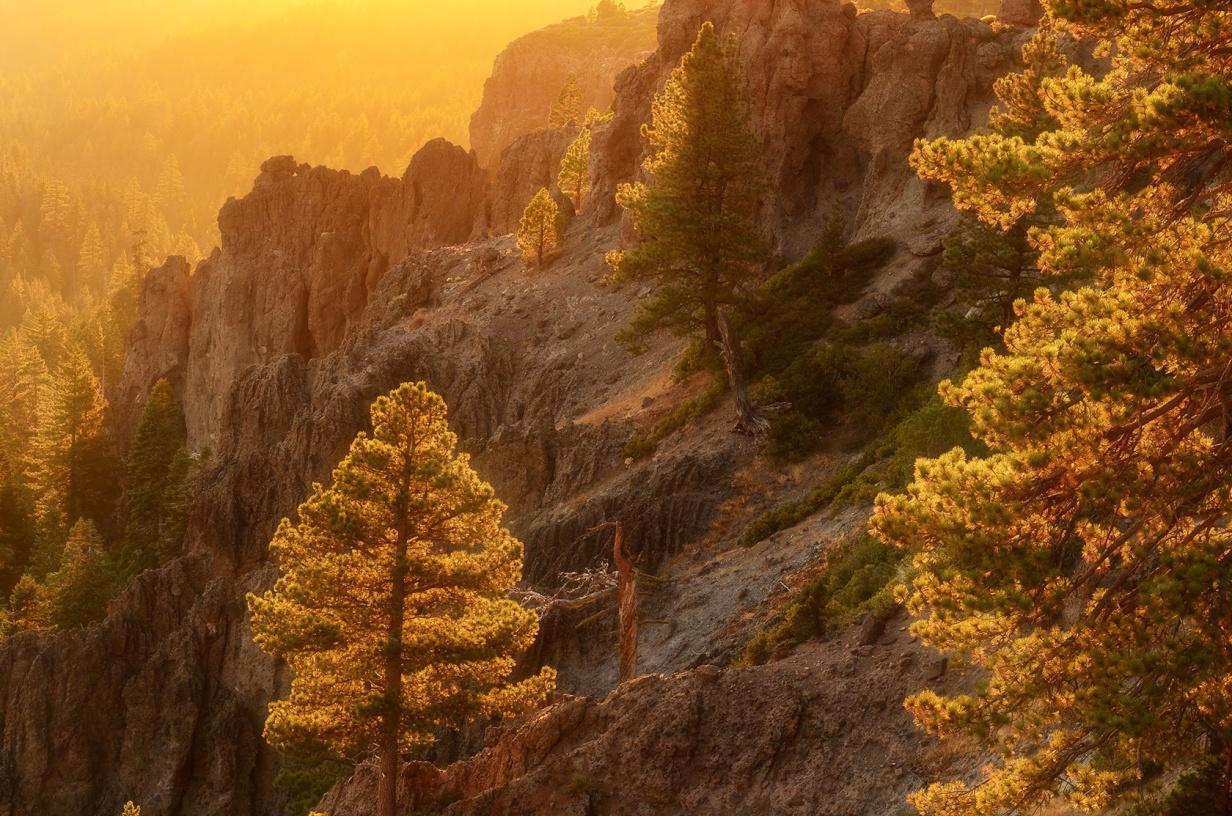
{"x":391,"y":607}
{"x":1083,"y":565}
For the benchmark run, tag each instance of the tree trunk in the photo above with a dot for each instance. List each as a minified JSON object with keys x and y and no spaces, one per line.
{"x":387,"y":789}
{"x":626,"y":594}
{"x":391,"y":722}
{"x":748,"y":419}
{"x":1227,"y":784}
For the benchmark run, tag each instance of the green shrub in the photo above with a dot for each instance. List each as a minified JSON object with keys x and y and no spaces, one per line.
{"x":306,"y":775}
{"x":874,"y":382}
{"x":886,"y":464}
{"x":792,"y":436}
{"x":1195,"y":793}
{"x":579,"y":784}
{"x":860,"y":579}
{"x":926,"y":432}
{"x":789,"y":514}
{"x":640,"y":447}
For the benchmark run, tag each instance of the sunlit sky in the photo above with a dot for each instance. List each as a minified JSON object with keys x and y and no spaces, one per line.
{"x":51,"y":30}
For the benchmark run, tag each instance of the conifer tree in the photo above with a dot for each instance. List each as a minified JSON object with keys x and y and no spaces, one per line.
{"x":22,"y":375}
{"x":92,"y":261}
{"x":697,"y":220}
{"x":27,"y":609}
{"x":539,"y":230}
{"x":1083,"y":565}
{"x":77,"y":592}
{"x":71,"y":456}
{"x":391,"y":608}
{"x":573,"y":178}
{"x":568,"y":107}
{"x":157,"y":474}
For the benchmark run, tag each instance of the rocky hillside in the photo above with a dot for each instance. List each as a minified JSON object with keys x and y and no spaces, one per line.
{"x":330,"y":288}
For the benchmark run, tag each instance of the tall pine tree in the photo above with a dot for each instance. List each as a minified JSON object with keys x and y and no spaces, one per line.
{"x":573,"y":177}
{"x":158,"y":471}
{"x":697,"y":219}
{"x":1084,"y":565}
{"x":392,"y":607}
{"x":73,"y":465}
{"x":569,"y":106}
{"x":77,"y":592}
{"x":539,"y":229}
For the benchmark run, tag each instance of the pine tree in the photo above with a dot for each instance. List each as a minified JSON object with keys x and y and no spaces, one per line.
{"x":157,"y":476}
{"x":17,"y":531}
{"x":43,"y":327}
{"x":27,"y":607}
{"x":92,"y":261}
{"x":391,"y":608}
{"x":568,"y":107}
{"x":573,"y":178}
{"x":169,"y":195}
{"x":1083,"y":565}
{"x":697,"y":221}
{"x":22,"y":375}
{"x":72,"y":467}
{"x":77,"y":592}
{"x":539,"y":230}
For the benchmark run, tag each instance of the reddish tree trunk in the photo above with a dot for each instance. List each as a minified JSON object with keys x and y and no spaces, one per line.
{"x":391,"y":721}
{"x":626,"y":592}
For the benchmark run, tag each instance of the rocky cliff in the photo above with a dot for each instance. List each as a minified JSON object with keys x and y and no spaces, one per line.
{"x":837,"y":99}
{"x":528,"y":75}
{"x":329,"y":288}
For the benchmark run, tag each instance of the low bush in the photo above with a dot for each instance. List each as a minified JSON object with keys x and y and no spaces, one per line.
{"x":860,"y":579}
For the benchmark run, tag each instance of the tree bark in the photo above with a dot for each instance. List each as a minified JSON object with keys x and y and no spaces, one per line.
{"x":626,"y":594}
{"x":391,"y":723}
{"x":748,"y":419}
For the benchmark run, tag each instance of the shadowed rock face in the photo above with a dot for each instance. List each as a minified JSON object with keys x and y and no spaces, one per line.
{"x":330,"y":288}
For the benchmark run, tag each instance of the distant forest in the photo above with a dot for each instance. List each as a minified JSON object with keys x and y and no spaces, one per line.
{"x":122,"y":153}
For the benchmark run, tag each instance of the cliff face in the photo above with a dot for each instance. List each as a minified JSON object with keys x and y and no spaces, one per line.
{"x":330,"y":288}
{"x":837,"y":100}
{"x":529,"y":74}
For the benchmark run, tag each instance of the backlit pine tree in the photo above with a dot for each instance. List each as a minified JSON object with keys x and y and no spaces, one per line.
{"x":72,"y":462}
{"x":539,"y":229}
{"x":573,"y":178}
{"x":72,"y":470}
{"x":1083,"y":566}
{"x":392,"y":605}
{"x":568,"y":107}
{"x":27,"y":610}
{"x":697,"y":220}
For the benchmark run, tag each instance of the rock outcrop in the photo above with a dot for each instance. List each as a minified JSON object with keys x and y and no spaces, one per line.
{"x":822,"y":733}
{"x":529,"y":163}
{"x":529,"y":74}
{"x":837,"y":98}
{"x":157,"y":344}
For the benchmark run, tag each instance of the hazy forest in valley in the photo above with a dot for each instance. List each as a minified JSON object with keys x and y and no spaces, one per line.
{"x":599,"y":408}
